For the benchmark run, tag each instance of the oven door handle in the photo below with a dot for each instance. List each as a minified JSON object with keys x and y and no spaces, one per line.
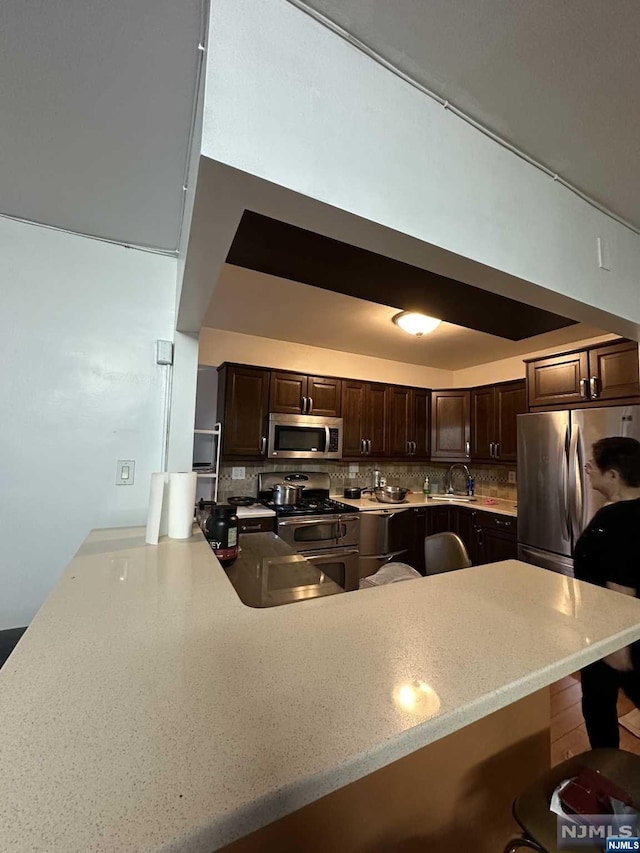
{"x":352,"y":518}
{"x":300,"y":522}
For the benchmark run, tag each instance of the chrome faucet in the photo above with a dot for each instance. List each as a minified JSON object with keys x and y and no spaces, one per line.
{"x":450,"y":475}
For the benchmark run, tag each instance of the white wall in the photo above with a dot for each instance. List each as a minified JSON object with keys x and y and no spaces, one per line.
{"x":514,"y":368}
{"x":217,"y":346}
{"x":294,"y":104}
{"x":183,"y":403}
{"x":79,"y":389}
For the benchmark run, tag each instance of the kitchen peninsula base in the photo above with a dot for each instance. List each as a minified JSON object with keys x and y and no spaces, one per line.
{"x":454,"y":794}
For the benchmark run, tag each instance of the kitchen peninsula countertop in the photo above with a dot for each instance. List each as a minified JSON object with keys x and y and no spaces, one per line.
{"x":416,"y":499}
{"x":147,"y":709}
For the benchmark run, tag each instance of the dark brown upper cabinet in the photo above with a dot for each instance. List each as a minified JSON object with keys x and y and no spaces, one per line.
{"x":591,"y":376}
{"x":421,"y":432}
{"x":482,"y":423}
{"x":613,"y":371}
{"x":408,"y":422}
{"x":326,"y":396}
{"x":510,"y":401}
{"x":299,"y":394}
{"x":494,"y":412}
{"x":364,"y":413}
{"x":288,"y":393}
{"x":559,"y":380}
{"x":243,"y":409}
{"x":450,"y":425}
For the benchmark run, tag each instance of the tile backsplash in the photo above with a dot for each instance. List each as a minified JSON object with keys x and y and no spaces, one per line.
{"x":490,"y":480}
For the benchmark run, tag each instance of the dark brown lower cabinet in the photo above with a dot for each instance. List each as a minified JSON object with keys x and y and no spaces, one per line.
{"x":497,"y":538}
{"x":441,"y":519}
{"x":416,"y":521}
{"x":467,"y":530}
{"x":488,"y":537}
{"x":495,"y":546}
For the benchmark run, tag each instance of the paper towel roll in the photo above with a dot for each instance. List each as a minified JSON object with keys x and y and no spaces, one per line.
{"x":158,"y":508}
{"x":182,"y":500}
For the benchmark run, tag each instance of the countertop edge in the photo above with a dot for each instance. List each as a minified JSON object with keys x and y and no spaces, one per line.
{"x":291,"y":798}
{"x":503,"y":507}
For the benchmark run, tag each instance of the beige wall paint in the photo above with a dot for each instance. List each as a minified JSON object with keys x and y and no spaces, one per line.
{"x":514,"y":368}
{"x":217,"y":346}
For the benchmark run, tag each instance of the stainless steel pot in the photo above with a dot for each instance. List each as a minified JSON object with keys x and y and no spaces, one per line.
{"x":390,"y":494}
{"x":285,"y":494}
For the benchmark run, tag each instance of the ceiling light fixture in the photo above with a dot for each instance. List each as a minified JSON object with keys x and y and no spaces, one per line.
{"x":416,"y":324}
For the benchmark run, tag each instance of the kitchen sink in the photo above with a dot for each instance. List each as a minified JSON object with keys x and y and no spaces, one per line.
{"x":454,"y":497}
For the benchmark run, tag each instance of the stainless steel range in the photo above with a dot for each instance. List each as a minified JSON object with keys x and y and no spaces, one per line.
{"x":324,"y":531}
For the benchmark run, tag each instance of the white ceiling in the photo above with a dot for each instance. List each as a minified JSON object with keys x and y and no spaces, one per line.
{"x":97,"y":101}
{"x":557,"y":78}
{"x":258,"y":304}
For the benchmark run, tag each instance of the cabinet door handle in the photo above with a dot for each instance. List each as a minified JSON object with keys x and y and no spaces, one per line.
{"x":309,"y":405}
{"x":583,"y":389}
{"x":368,"y":447}
{"x":491,"y":450}
{"x":467,"y":448}
{"x":415,"y":448}
{"x":497,"y":450}
{"x":594,"y":387}
{"x":408,"y":448}
{"x":363,"y":447}
{"x":263,"y":444}
{"x":303,"y":405}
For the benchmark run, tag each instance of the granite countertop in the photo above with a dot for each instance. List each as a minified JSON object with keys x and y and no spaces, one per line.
{"x":147,"y":709}
{"x":416,"y":499}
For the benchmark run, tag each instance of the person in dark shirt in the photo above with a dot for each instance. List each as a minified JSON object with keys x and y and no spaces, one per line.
{"x":608,"y":554}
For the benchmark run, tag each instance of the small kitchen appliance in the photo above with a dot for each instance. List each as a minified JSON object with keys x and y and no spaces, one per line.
{"x":304,"y":437}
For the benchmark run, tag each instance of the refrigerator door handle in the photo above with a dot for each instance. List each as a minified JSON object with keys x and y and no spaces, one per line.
{"x":564,"y":475}
{"x":575,"y":483}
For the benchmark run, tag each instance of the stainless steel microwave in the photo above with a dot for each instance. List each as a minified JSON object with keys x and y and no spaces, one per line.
{"x":304,"y":437}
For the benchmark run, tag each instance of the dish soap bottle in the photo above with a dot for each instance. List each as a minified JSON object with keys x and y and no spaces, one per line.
{"x":471,"y":486}
{"x":426,"y":487}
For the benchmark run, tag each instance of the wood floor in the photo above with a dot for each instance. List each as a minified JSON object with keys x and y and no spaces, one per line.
{"x":568,"y":734}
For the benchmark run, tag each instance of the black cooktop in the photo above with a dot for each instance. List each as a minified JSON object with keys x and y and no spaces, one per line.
{"x":309,"y":506}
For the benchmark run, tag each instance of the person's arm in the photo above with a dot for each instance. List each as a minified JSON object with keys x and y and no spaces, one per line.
{"x":620,"y":660}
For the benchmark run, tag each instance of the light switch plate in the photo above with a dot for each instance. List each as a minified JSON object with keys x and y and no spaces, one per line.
{"x":511,"y":476}
{"x":125,"y":471}
{"x":164,"y":352}
{"x":354,"y":467}
{"x":238,"y":473}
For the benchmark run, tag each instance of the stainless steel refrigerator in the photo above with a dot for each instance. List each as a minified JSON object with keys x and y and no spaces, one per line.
{"x":555,"y":501}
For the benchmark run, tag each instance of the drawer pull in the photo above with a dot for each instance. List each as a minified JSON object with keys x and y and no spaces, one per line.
{"x":502,"y":523}
{"x":245,"y":527}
